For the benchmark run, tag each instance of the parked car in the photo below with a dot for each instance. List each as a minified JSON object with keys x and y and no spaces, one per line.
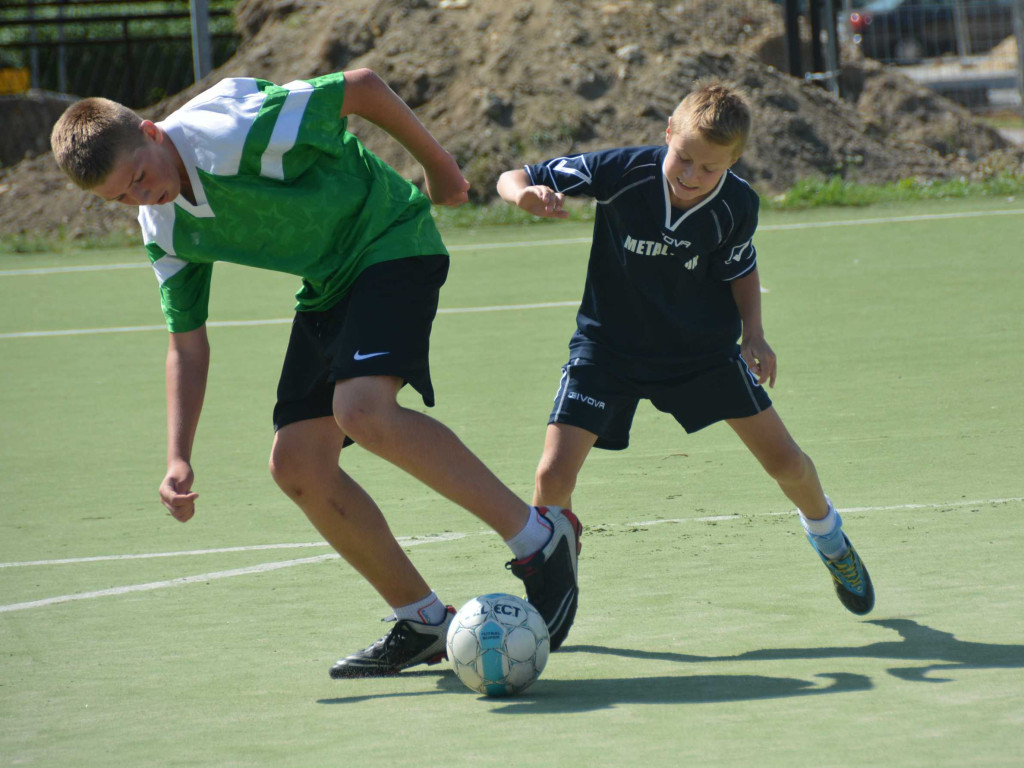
{"x":908,"y":30}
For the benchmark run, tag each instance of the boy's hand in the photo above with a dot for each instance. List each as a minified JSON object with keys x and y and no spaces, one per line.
{"x":760,"y":359}
{"x":543,"y":201}
{"x":176,"y":491}
{"x":445,"y":183}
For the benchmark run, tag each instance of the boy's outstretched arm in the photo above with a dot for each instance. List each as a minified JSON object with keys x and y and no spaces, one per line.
{"x":759,"y":357}
{"x":188,"y":363}
{"x":369,"y":97}
{"x":514,"y":187}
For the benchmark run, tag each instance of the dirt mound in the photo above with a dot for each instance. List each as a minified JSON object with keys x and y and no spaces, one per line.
{"x":27,"y":120}
{"x":503,"y":83}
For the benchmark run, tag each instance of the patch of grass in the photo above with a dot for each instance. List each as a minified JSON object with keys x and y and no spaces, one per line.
{"x":1004,"y":119}
{"x":834,"y":192}
{"x":38,"y":242}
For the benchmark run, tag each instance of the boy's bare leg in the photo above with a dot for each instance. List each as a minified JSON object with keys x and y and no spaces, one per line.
{"x":366,"y":409}
{"x":770,"y":442}
{"x":565,"y":449}
{"x":304,"y":463}
{"x":767,"y":438}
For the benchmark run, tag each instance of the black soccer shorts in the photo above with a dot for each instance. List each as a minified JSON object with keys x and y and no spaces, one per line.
{"x":594,"y":397}
{"x":380,"y":328}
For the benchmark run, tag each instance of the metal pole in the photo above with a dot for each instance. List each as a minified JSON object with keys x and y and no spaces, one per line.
{"x":128,"y":95}
{"x":963,"y":40}
{"x":62,"y":62}
{"x":33,"y":52}
{"x":792,"y":20}
{"x":832,"y":51}
{"x":202,"y":54}
{"x":814,"y":17}
{"x":1018,"y":33}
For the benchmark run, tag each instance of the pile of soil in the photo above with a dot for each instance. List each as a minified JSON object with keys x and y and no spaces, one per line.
{"x":502,"y":83}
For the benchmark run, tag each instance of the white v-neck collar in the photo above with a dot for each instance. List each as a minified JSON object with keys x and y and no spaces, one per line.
{"x":672,"y":225}
{"x":188,"y":157}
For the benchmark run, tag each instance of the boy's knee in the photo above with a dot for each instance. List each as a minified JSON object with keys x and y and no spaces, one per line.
{"x":364,"y":408}
{"x":284,"y":468}
{"x":554,"y":483}
{"x":291,"y":466}
{"x":789,"y":466}
{"x":365,"y":420}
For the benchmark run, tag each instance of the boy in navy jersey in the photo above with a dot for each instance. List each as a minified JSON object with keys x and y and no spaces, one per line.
{"x":671,"y":285}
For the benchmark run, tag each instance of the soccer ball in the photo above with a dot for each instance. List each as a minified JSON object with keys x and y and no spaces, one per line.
{"x":498,"y":644}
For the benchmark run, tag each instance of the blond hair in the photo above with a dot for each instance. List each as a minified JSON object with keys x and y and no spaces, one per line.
{"x":718,"y":113}
{"x":90,"y":137}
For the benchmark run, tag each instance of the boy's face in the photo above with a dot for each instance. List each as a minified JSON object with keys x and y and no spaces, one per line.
{"x":693,"y":166}
{"x":149,"y":174}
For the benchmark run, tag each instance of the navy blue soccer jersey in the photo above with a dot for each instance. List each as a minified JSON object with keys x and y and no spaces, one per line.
{"x":657,"y":300}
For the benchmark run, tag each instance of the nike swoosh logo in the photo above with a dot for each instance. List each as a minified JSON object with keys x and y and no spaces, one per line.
{"x":358,"y":356}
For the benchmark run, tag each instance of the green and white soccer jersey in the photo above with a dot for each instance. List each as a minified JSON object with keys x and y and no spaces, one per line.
{"x":279,"y":184}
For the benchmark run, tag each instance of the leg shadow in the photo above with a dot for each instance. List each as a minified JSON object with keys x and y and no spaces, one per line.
{"x":941,"y":651}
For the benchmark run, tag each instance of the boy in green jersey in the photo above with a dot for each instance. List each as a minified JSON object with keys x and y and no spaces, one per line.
{"x":268,"y":176}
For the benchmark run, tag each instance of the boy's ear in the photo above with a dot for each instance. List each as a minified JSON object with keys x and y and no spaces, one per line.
{"x":150,"y":130}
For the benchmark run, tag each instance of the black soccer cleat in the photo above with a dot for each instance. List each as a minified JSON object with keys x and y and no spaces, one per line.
{"x":851,"y":580}
{"x":550,"y":573}
{"x":407,"y":644}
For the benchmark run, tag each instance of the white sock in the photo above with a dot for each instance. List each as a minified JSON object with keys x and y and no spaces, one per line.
{"x":429,"y":610}
{"x":535,"y":534}
{"x":827,"y":533}
{"x":825,"y":525}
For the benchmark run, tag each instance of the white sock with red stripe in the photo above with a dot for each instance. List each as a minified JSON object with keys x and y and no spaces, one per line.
{"x":429,"y":610}
{"x":535,"y":534}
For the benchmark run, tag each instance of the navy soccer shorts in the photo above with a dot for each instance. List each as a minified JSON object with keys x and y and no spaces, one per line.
{"x":380,"y":328}
{"x":594,"y":397}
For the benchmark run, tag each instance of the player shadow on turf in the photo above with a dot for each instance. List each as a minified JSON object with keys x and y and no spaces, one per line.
{"x":551,"y":696}
{"x":548,"y":696}
{"x":917,"y":643}
{"x":940,"y":651}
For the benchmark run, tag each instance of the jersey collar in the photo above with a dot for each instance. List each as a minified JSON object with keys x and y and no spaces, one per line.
{"x":672,"y":225}
{"x":188,"y":157}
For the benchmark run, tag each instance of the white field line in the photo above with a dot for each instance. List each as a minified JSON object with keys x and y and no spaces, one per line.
{"x":453,"y":310}
{"x":406,"y":541}
{"x":203,"y":577}
{"x":579,"y":240}
{"x":151,"y":555}
{"x":146,"y":265}
{"x":264,"y":567}
{"x":276,"y":321}
{"x":842,"y":510}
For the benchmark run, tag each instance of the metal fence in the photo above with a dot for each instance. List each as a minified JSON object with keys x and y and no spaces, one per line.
{"x":139,"y":52}
{"x":133,"y":52}
{"x":970,"y":50}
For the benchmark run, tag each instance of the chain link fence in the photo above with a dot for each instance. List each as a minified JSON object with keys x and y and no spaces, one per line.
{"x":136,"y":53}
{"x":969,"y":50}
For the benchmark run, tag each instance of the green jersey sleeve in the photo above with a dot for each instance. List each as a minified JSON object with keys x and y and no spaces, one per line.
{"x":184,"y":290}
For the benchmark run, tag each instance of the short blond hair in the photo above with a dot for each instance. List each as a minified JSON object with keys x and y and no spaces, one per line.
{"x":90,"y":137}
{"x":718,"y":113}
